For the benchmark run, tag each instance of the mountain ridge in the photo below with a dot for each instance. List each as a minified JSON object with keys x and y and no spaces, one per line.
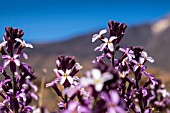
{"x":45,"y":55}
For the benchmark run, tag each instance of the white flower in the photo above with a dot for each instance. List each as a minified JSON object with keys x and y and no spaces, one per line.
{"x":23,"y":43}
{"x":97,"y":36}
{"x":2,"y":44}
{"x":108,"y":43}
{"x":65,"y":75}
{"x":78,"y":66}
{"x":138,"y":64}
{"x":97,"y":79}
{"x":145,"y":55}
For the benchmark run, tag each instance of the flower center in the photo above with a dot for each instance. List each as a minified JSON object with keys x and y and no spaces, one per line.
{"x":126,"y":52}
{"x":139,"y":64}
{"x":108,"y":42}
{"x":11,"y":59}
{"x":97,"y":81}
{"x":65,"y":75}
{"x":65,"y":105}
{"x":122,"y":75}
{"x":111,"y":105}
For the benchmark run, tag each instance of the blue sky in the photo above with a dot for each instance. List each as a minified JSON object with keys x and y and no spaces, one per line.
{"x":56,"y":20}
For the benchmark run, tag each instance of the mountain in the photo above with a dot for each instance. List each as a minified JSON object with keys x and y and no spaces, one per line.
{"x":154,"y":36}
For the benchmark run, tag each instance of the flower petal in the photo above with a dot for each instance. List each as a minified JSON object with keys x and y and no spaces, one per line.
{"x":86,"y":81}
{"x":57,"y":73}
{"x":114,"y":97}
{"x":62,"y":80}
{"x":96,"y":74}
{"x":6,"y":63}
{"x":28,"y":45}
{"x":60,"y":71}
{"x":18,"y":40}
{"x":150,"y":59}
{"x":25,"y":55}
{"x":105,"y":40}
{"x":106,"y":76}
{"x":97,"y":59}
{"x":98,"y":87}
{"x":110,"y":46}
{"x":102,"y":32}
{"x":3,"y":43}
{"x":135,"y":67}
{"x":78,"y":66}
{"x":102,"y":46}
{"x":141,"y":60}
{"x":97,"y":48}
{"x":130,"y":57}
{"x":112,"y":38}
{"x":17,"y":62}
{"x":144,"y":54}
{"x":58,"y":62}
{"x":123,"y":50}
{"x":70,"y":79}
{"x":6,"y":56}
{"x":95,"y":37}
{"x":15,"y":56}
{"x":68,"y":71}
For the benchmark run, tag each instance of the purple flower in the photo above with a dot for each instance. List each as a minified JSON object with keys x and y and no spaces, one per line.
{"x":112,"y":100}
{"x":152,"y":78}
{"x":138,"y":64}
{"x":9,"y":59}
{"x":16,"y":89}
{"x":128,"y":52}
{"x":62,"y":105}
{"x":12,"y":61}
{"x":98,"y":59}
{"x":117,"y":29}
{"x":67,"y":67}
{"x":12,"y":33}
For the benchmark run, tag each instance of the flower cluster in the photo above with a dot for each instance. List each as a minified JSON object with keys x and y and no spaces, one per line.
{"x":115,"y":87}
{"x":67,"y":68}
{"x":16,"y":88}
{"x":131,"y":67}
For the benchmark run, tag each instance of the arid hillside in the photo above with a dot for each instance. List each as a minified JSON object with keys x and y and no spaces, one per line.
{"x":154,"y":36}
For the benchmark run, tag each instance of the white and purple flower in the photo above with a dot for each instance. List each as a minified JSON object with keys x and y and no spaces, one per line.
{"x":98,"y":36}
{"x":23,"y":43}
{"x":107,"y":43}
